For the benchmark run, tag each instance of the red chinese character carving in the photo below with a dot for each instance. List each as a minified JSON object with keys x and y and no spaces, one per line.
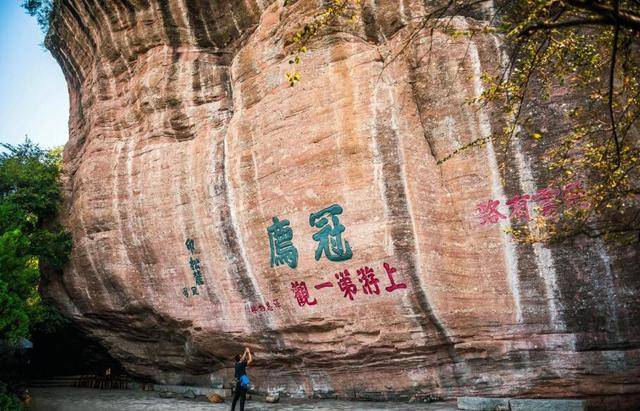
{"x":488,"y":212}
{"x":323,"y":285}
{"x":269,"y":307}
{"x":573,"y":194}
{"x":390,"y":271}
{"x":345,"y":284}
{"x":547,"y":199}
{"x":368,"y":279}
{"x":261,"y":308}
{"x":302,"y":293}
{"x":518,"y":207}
{"x":276,"y":304}
{"x":254,"y":309}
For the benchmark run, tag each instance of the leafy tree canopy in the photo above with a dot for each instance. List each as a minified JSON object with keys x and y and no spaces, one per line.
{"x":41,"y":10}
{"x":29,"y":236}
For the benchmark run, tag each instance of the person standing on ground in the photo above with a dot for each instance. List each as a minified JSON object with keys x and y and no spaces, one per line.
{"x":241,"y":371}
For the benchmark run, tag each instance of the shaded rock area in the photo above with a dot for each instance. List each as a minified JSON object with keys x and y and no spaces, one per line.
{"x":55,"y":359}
{"x":68,"y":351}
{"x":186,"y":142}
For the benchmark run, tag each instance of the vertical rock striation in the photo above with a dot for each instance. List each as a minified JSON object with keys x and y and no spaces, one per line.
{"x":182,"y":127}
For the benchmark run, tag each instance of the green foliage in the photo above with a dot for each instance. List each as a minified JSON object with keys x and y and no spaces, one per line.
{"x":8,"y":401}
{"x":42,"y":10}
{"x":29,"y":237}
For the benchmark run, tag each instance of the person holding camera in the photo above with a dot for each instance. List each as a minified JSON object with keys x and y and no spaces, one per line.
{"x":242,"y":380}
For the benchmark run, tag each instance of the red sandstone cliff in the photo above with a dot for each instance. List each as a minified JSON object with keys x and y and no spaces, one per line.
{"x":182,"y":127}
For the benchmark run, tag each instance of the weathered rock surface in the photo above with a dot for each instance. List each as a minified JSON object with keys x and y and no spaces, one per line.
{"x":483,"y":403}
{"x":547,"y":405}
{"x":182,"y":126}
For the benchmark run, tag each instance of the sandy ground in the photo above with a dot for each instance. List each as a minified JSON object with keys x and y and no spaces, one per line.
{"x":85,"y":399}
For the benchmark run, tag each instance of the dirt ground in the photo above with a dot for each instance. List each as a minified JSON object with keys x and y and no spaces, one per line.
{"x":85,"y":399}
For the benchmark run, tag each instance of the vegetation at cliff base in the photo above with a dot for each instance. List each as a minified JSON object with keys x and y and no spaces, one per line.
{"x":29,"y":236}
{"x":7,"y":401}
{"x":29,"y":240}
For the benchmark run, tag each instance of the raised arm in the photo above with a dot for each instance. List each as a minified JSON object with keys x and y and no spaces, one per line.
{"x":248,"y":352}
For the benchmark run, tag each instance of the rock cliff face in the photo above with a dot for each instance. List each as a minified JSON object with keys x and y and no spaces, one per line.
{"x":204,"y":194}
